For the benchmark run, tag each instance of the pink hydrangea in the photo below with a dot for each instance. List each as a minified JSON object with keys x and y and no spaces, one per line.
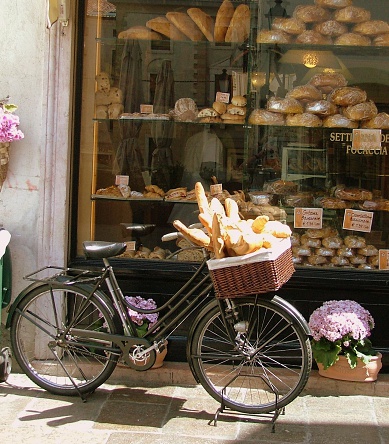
{"x":9,"y":127}
{"x":335,"y":320}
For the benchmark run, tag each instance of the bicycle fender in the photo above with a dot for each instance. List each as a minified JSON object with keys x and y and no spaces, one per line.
{"x":11,"y":310}
{"x":292,"y":310}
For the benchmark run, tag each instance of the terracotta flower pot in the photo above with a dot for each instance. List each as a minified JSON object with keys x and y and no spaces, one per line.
{"x":361,"y":373}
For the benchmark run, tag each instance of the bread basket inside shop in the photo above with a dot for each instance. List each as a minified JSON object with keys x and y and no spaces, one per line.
{"x":279,"y":106}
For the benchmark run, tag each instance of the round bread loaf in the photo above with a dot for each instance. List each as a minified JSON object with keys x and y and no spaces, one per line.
{"x":381,"y":40}
{"x":305,"y":93}
{"x":289,"y":25}
{"x":311,"y":13}
{"x":334,"y":4}
{"x":219,"y":107}
{"x":273,"y":36}
{"x":352,"y":14}
{"x":372,"y":27}
{"x":264,"y":117}
{"x":326,"y":82}
{"x":284,"y":106}
{"x":347,"y":95}
{"x":311,"y":37}
{"x":239,"y":100}
{"x":380,"y":121}
{"x":331,"y":28}
{"x":321,"y":108}
{"x":361,"y":111}
{"x":339,"y":121}
{"x":305,"y":119}
{"x":352,"y":39}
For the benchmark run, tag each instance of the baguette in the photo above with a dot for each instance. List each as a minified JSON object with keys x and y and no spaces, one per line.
{"x":203,"y":21}
{"x":223,"y":19}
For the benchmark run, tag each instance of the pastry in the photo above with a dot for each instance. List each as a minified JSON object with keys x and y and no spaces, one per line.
{"x":325,"y":251}
{"x":204,"y":21}
{"x":305,"y":93}
{"x":353,"y":194}
{"x":331,"y":28}
{"x":186,"y":25}
{"x":273,"y":36}
{"x":340,"y":261}
{"x":207,"y":112}
{"x":381,"y":40}
{"x":238,"y":110}
{"x":239,"y":100}
{"x":301,"y":250}
{"x":223,"y":19}
{"x":315,"y":259}
{"x":347,"y":95}
{"x":352,"y":39}
{"x":332,"y":242}
{"x":264,"y":117}
{"x":166,"y":28}
{"x":290,"y":25}
{"x":309,"y":241}
{"x":332,"y":203}
{"x":139,"y":33}
{"x":352,"y":14}
{"x":368,"y":250}
{"x":305,"y":119}
{"x":361,"y":111}
{"x":219,"y":107}
{"x":354,"y":241}
{"x":339,"y":121}
{"x":311,"y":13}
{"x":239,"y":27}
{"x":176,"y":193}
{"x":372,"y":27}
{"x":284,"y":106}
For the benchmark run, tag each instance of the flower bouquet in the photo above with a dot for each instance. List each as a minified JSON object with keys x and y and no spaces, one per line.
{"x":143,"y":321}
{"x":9,"y":132}
{"x":340,"y":329}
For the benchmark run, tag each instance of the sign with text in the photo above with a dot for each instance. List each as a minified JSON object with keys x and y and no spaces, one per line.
{"x":366,"y":139}
{"x":131,"y":245}
{"x":383,"y":259}
{"x":146,"y":109}
{"x":121,"y":180}
{"x":217,"y":188}
{"x":357,"y":220}
{"x":308,"y":217}
{"x":222,"y":97}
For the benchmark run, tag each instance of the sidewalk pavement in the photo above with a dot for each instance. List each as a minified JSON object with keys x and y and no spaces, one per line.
{"x":165,"y":405}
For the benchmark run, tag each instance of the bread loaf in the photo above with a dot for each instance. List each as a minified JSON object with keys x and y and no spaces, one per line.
{"x":219,"y":107}
{"x":334,"y":4}
{"x":289,"y":25}
{"x":203,"y":21}
{"x":139,"y":33}
{"x":326,"y":82}
{"x":223,"y":19}
{"x":186,"y":25}
{"x":207,"y":112}
{"x":185,"y":109}
{"x":239,"y":110}
{"x":321,"y":108}
{"x":305,"y":119}
{"x":331,"y":28}
{"x":273,"y":36}
{"x":339,"y":121}
{"x":372,"y":27}
{"x":380,"y":121}
{"x":305,"y":93}
{"x":239,"y":27}
{"x":311,"y":13}
{"x":311,"y":37}
{"x":264,"y":117}
{"x":284,"y":106}
{"x":352,"y":39}
{"x":381,"y":40}
{"x":353,"y":194}
{"x":361,"y":111}
{"x":347,"y":95}
{"x":352,"y":14}
{"x":166,"y":28}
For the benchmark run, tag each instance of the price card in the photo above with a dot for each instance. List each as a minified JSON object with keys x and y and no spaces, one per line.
{"x":222,"y":97}
{"x":146,"y":109}
{"x":131,"y":245}
{"x":122,"y":180}
{"x":308,"y":217}
{"x":357,"y":220}
{"x":217,"y":188}
{"x":383,"y":259}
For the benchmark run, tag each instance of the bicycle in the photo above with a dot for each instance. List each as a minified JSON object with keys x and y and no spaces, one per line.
{"x":251,"y":354}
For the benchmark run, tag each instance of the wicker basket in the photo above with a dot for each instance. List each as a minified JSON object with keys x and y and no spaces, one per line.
{"x":260,"y":272}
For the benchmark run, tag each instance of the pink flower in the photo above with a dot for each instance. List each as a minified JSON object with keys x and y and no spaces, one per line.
{"x":9,"y":124}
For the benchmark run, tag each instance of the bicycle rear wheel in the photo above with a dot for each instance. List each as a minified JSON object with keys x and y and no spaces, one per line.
{"x":263,"y":367}
{"x":56,"y":362}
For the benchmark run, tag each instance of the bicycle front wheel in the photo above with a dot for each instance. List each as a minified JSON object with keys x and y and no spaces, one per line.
{"x":256,"y":362}
{"x":56,"y":362}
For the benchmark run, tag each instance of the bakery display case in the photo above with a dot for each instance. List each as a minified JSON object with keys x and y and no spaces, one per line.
{"x":281,"y":106}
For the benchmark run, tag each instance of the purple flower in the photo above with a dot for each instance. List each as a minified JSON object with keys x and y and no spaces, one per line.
{"x":145,"y":304}
{"x":9,"y":125}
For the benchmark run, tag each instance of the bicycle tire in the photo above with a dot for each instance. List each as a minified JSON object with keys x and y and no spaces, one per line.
{"x":33,"y":343}
{"x":266,"y":371}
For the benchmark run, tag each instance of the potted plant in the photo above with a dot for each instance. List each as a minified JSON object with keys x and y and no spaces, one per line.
{"x":9,"y":123}
{"x":145,"y":321}
{"x":340,"y":341}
